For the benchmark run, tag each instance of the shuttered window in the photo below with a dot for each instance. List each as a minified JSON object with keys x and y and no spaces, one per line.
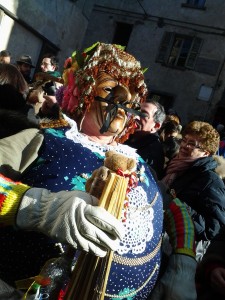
{"x":196,"y":3}
{"x":178,"y":50}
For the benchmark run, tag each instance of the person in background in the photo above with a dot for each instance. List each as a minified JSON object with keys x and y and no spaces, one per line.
{"x":50,"y":76}
{"x":24,"y":65}
{"x":192,"y":177}
{"x":170,"y":137}
{"x":172,"y":115}
{"x":46,"y":82}
{"x":5,"y":57}
{"x":170,"y":128}
{"x":146,"y":139}
{"x":14,"y":92}
{"x":171,"y":147}
{"x":50,"y":65}
{"x":9,"y":74}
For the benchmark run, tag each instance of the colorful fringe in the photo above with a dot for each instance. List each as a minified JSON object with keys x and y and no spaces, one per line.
{"x":10,"y":195}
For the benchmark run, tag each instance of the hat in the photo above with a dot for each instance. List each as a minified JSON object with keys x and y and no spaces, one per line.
{"x":25,"y":59}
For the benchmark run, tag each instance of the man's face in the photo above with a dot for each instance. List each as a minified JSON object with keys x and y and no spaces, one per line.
{"x":25,"y":69}
{"x":46,"y":65}
{"x":148,"y":124}
{"x":5,"y":59}
{"x":97,"y":114}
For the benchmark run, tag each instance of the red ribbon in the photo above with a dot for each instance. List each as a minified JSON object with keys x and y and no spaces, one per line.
{"x":133,"y":180}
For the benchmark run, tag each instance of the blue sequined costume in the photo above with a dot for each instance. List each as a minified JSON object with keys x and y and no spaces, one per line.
{"x":66,"y":159}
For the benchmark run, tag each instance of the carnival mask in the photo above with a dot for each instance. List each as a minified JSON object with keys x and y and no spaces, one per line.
{"x":115,"y":102}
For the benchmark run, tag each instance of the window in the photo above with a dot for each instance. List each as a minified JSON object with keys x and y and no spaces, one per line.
{"x":178,"y":50}
{"x":166,"y":100}
{"x":122,"y":33}
{"x":194,"y":3}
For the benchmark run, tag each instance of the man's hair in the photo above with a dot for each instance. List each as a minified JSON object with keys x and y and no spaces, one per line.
{"x":160,"y":115}
{"x":208,"y":136}
{"x":54,"y":59}
{"x":5,"y":53}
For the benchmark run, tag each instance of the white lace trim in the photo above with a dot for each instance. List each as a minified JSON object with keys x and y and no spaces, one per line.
{"x":77,"y":137}
{"x":139,"y":223}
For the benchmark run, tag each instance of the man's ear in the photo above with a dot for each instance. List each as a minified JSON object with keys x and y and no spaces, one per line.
{"x":157,"y":126}
{"x":206,"y":153}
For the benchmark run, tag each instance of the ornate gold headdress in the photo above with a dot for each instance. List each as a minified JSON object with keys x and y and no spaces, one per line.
{"x":80,"y":75}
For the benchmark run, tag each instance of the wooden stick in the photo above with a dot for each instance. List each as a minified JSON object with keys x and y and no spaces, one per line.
{"x":86,"y":272}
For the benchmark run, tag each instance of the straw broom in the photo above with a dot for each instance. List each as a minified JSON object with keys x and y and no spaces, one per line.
{"x":90,"y":275}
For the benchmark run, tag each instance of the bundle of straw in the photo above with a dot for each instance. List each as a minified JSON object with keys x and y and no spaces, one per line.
{"x":90,"y":275}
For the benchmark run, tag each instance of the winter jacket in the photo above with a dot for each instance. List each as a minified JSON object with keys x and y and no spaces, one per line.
{"x":150,"y":148}
{"x":203,"y":190}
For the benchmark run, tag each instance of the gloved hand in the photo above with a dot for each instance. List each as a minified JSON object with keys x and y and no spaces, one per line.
{"x":180,"y":228}
{"x":69,"y":218}
{"x":178,"y":281}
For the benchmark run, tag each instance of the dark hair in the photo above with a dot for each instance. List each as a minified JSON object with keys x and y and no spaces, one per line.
{"x":54,"y":59}
{"x":9,"y":74}
{"x":11,"y":99}
{"x":168,"y":128}
{"x":5,"y":53}
{"x":171,"y":147}
{"x":160,"y":115}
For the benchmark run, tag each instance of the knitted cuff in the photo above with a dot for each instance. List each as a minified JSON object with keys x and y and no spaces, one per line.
{"x":180,"y":228}
{"x":11,"y":193}
{"x":185,"y":251}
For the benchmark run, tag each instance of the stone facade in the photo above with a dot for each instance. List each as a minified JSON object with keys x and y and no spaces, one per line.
{"x":35,"y":27}
{"x":181,"y":43}
{"x":175,"y":75}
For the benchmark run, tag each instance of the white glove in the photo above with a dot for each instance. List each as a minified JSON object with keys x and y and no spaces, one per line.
{"x":69,"y":218}
{"x":178,"y":281}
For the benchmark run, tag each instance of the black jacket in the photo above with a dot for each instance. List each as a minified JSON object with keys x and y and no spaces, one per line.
{"x":150,"y":148}
{"x":201,"y":188}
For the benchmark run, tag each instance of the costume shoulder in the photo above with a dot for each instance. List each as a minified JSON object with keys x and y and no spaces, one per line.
{"x":18,"y":151}
{"x":12,"y":122}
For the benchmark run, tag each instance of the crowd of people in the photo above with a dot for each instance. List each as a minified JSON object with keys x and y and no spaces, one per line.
{"x":55,"y":132}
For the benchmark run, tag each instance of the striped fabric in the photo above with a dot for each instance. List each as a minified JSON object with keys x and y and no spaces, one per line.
{"x":10,"y":195}
{"x":180,"y":228}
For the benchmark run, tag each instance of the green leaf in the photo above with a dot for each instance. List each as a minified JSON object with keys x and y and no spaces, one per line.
{"x":120,"y":46}
{"x":73,"y":54}
{"x":89,"y":49}
{"x":143,"y":70}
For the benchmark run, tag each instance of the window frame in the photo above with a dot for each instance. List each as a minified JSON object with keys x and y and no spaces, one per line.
{"x":167,"y":45}
{"x":194,"y":4}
